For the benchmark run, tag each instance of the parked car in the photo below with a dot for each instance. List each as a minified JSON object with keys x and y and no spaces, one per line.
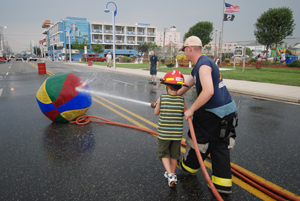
{"x":4,"y":59}
{"x":19,"y":57}
{"x":92,"y":57}
{"x":31,"y":57}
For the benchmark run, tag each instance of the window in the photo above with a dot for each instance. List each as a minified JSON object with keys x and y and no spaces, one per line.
{"x":97,"y":26}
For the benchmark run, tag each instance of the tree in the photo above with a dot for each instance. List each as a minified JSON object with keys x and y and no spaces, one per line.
{"x":36,"y":51}
{"x":97,"y":48}
{"x":208,"y":49}
{"x":248,"y":51}
{"x":204,"y":30}
{"x":145,"y":47}
{"x":274,"y":25}
{"x":79,"y":46}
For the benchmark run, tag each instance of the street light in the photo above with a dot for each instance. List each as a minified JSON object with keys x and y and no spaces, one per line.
{"x":113,"y":18}
{"x":1,"y":38}
{"x":53,"y":50}
{"x":70,"y":55}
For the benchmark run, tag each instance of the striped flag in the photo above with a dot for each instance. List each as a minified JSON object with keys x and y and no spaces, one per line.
{"x":231,"y":8}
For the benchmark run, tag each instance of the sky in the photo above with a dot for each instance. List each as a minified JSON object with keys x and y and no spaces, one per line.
{"x":24,"y":18}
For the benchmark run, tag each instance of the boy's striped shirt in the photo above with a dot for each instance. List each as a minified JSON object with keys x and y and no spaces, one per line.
{"x":170,"y":125}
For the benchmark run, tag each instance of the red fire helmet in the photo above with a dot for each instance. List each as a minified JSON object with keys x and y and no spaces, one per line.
{"x":174,"y":77}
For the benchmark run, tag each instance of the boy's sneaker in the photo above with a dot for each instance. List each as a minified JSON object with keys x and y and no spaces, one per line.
{"x":166,"y":175}
{"x":172,"y":180}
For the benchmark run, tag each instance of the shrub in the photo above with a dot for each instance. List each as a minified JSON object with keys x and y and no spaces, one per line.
{"x":275,"y":63}
{"x":146,"y":60}
{"x":169,"y":65}
{"x":134,"y":57}
{"x":295,"y":63}
{"x":253,"y":60}
{"x":266,"y":63}
{"x":227,"y":60}
{"x":126,"y":59}
{"x":180,"y":57}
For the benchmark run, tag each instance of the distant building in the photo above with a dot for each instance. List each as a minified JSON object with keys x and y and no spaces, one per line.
{"x":169,"y":37}
{"x":127,"y":36}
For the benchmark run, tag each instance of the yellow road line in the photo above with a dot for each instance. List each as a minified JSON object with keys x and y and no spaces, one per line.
{"x":129,"y":112}
{"x":266,"y":181}
{"x":48,"y":72}
{"x":245,"y":186}
{"x":121,"y":114}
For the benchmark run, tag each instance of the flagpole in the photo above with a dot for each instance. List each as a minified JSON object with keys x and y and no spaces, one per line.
{"x":221,"y":43}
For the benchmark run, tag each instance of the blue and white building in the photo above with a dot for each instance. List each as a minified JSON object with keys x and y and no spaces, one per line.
{"x":127,"y":36}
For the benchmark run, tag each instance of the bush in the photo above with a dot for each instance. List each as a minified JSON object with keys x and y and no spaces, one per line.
{"x":146,"y":60}
{"x":169,"y":65}
{"x":253,"y":60}
{"x":266,"y":63}
{"x":180,"y":57}
{"x":295,"y":63}
{"x":227,"y":60}
{"x":134,"y":57}
{"x":275,"y":63}
{"x":126,"y":59}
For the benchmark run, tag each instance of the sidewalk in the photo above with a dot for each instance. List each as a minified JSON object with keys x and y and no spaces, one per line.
{"x":276,"y":92}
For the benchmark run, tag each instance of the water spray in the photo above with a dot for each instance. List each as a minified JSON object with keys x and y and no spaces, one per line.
{"x":80,"y":89}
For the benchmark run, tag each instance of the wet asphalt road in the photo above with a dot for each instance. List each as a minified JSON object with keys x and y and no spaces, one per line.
{"x":41,"y":160}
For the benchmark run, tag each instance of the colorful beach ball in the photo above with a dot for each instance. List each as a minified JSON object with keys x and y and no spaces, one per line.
{"x":60,"y":100}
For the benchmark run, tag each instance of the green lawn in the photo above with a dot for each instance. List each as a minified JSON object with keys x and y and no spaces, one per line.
{"x":285,"y":76}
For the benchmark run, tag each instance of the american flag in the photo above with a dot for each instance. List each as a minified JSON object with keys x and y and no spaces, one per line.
{"x":231,"y":8}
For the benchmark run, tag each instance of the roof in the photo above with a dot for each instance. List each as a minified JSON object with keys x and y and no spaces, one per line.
{"x":297,"y":45}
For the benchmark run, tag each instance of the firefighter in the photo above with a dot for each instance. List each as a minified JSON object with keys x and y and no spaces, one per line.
{"x":213,"y":114}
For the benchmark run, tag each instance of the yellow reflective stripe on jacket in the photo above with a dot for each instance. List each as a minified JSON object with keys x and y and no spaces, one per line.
{"x":188,"y":168}
{"x":221,"y":181}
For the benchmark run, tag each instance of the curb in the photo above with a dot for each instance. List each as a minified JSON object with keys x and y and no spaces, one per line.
{"x":160,"y":75}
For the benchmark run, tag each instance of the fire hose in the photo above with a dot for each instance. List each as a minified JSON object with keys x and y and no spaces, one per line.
{"x":85,"y":119}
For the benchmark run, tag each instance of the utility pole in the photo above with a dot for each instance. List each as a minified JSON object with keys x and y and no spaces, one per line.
{"x":164,"y":43}
{"x":216,"y":55}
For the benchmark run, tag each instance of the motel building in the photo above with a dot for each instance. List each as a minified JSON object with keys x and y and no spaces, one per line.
{"x":127,"y":37}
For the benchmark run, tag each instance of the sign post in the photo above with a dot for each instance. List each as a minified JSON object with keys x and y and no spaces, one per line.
{"x":238,"y":51}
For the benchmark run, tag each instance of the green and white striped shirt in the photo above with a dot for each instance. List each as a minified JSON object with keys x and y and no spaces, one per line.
{"x":170,"y":125}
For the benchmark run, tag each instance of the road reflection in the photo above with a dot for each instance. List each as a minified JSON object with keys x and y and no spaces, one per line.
{"x":68,"y":142}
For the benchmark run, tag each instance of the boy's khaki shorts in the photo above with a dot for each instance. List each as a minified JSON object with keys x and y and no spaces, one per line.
{"x":168,"y":149}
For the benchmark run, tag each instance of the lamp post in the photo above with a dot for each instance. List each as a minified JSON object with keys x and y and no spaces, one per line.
{"x":113,"y":18}
{"x":70,"y":55}
{"x":1,"y":37}
{"x":53,"y":49}
{"x":216,"y":52}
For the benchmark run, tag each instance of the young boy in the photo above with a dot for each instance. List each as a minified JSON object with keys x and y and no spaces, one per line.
{"x":170,"y":126}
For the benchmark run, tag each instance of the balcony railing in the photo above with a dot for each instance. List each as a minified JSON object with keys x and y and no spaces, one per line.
{"x":140,"y":33}
{"x":119,"y":41}
{"x":130,"y":42}
{"x":108,"y":41}
{"x":108,"y":31}
{"x":119,"y":32}
{"x":130,"y":33}
{"x":150,"y":34}
{"x":97,"y":31}
{"x":97,"y":41}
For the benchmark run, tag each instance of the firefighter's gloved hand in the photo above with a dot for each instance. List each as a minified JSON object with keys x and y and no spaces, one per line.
{"x":231,"y":143}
